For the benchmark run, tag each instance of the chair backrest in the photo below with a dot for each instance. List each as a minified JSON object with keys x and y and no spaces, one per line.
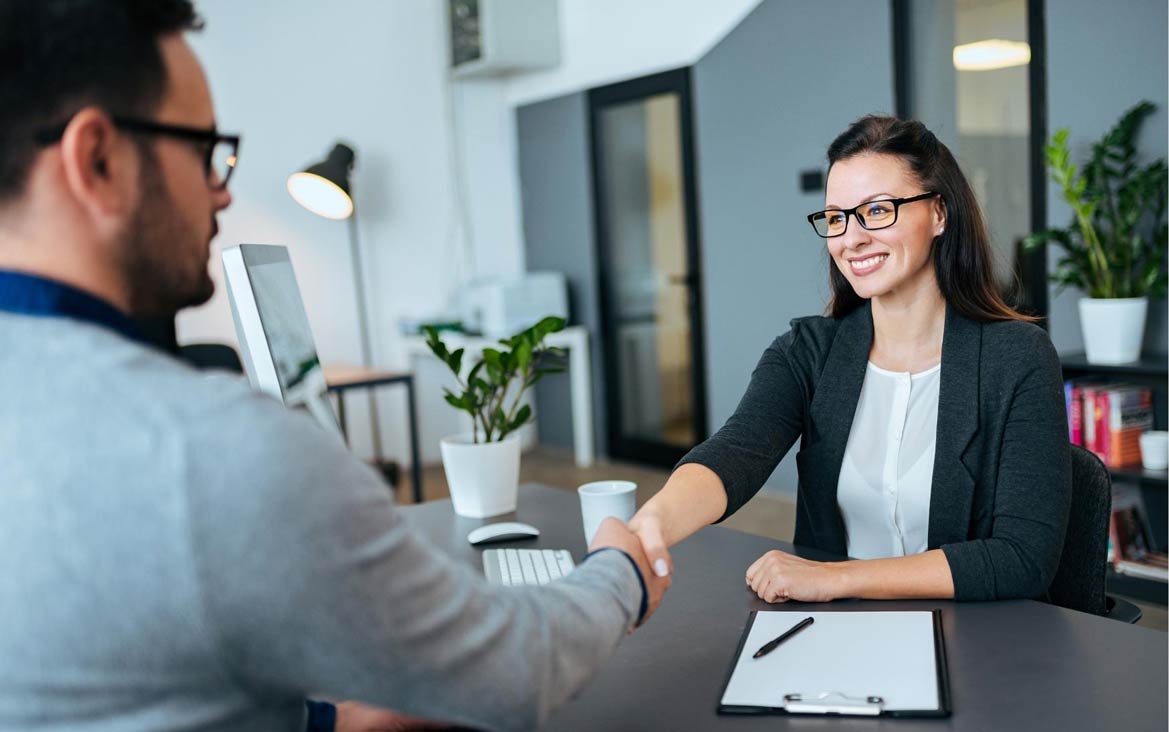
{"x":212,"y":356}
{"x":1079,"y":581}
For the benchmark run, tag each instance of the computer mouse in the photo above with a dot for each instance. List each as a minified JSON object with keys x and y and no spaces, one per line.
{"x":505,"y":531}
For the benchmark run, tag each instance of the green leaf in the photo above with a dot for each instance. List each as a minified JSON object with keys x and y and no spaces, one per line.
{"x":495,"y":374}
{"x":523,"y":356}
{"x":437,"y":347}
{"x":550,"y":324}
{"x":474,"y":371}
{"x":457,"y":402}
{"x":456,"y":361}
{"x":521,"y":418}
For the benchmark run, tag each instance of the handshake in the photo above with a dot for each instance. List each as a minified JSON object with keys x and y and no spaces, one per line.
{"x":642,"y":540}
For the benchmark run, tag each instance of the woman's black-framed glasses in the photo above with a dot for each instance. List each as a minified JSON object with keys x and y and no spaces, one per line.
{"x":871,"y":215}
{"x":220,"y":151}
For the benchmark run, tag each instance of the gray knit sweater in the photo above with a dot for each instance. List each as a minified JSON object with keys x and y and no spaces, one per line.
{"x":180,"y":553}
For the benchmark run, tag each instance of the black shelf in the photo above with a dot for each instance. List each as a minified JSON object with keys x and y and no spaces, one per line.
{"x":1151,"y":370}
{"x":1138,"y":588}
{"x":1151,"y":366}
{"x":1140,"y":476}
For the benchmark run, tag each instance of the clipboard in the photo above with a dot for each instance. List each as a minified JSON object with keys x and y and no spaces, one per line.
{"x":862,"y":663}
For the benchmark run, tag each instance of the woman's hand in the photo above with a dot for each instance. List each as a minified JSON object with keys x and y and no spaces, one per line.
{"x":778,"y":577}
{"x":648,"y":528}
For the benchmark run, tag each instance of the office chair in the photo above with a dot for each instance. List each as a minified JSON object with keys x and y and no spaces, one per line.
{"x":1080,"y":579}
{"x":212,"y":356}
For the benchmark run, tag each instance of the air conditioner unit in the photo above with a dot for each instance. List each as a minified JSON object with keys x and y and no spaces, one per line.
{"x":496,"y":37}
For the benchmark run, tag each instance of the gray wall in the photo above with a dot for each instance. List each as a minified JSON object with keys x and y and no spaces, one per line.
{"x":768,"y":100}
{"x":556,"y":190}
{"x":1103,"y":58}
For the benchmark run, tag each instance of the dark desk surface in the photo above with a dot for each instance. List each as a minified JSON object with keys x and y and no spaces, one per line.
{"x":1017,"y":665}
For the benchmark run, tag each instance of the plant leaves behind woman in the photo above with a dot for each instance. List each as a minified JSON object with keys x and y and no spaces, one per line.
{"x":1115,"y":245}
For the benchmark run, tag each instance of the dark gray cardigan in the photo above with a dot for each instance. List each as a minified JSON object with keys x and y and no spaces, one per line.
{"x":1002,"y":466}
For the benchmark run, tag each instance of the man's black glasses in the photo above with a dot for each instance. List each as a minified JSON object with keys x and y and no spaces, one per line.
{"x":220,"y":152}
{"x":871,"y":215}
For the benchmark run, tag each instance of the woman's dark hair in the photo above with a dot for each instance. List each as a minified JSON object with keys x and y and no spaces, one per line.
{"x":963,"y":261}
{"x":59,"y":56}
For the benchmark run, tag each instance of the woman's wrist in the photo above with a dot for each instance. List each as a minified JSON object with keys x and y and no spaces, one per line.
{"x":645,"y":517}
{"x":844,"y":579}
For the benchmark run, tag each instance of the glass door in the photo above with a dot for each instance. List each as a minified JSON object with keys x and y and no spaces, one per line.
{"x":647,"y":244}
{"x":971,"y":70}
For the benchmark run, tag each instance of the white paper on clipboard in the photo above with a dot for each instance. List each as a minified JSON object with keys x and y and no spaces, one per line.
{"x":885,"y":655}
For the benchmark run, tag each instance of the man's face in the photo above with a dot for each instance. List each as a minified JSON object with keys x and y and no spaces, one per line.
{"x":168,"y":239}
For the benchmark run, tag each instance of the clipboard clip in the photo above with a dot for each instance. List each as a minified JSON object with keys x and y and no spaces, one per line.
{"x":833,"y":702}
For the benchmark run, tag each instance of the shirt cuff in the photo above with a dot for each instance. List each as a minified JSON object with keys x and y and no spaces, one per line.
{"x":636,"y":571}
{"x":322,"y":716}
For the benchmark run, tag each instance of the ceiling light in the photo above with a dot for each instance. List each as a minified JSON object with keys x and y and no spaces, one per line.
{"x":991,"y":54}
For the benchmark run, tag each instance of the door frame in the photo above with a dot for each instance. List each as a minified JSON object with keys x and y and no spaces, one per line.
{"x":677,"y":81}
{"x":1031,"y":267}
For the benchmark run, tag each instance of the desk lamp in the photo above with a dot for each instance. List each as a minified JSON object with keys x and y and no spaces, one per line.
{"x":323,"y":188}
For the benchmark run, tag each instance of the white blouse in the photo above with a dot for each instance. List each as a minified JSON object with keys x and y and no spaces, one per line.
{"x":887,"y":472}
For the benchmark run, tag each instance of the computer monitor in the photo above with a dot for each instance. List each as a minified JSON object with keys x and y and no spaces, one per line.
{"x":276,"y":342}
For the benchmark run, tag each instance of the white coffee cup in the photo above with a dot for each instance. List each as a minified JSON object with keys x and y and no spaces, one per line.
{"x":606,"y":498}
{"x":1155,"y":450}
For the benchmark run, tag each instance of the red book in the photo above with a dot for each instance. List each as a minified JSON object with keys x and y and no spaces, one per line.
{"x":1076,"y":416}
{"x":1088,"y":392}
{"x":1104,"y":397}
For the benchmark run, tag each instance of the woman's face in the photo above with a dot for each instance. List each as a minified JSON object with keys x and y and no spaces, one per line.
{"x":893,"y":260}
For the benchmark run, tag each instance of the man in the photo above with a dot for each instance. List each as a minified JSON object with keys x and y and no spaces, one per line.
{"x":179,"y":552}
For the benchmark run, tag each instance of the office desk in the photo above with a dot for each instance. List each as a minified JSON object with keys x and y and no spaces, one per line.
{"x":340,"y":378}
{"x":575,"y":339}
{"x":1016,"y":665}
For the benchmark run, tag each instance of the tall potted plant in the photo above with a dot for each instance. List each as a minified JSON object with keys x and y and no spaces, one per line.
{"x":482,"y":467}
{"x":1114,"y":248}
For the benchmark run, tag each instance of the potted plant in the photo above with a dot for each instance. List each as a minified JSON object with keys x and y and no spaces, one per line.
{"x":482,"y":467}
{"x":1114,"y":248}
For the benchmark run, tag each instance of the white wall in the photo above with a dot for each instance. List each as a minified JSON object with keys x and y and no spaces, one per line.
{"x":436,"y":182}
{"x":601,"y":42}
{"x":604,"y":41}
{"x":293,"y":77}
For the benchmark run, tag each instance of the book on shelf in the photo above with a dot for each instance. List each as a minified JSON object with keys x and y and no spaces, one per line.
{"x":1131,"y":550}
{"x":1108,"y":419}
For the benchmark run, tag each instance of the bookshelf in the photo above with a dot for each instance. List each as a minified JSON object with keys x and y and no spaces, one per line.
{"x":1151,"y":370}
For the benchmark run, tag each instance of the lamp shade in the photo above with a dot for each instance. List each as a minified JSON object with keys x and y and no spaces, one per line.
{"x":323,"y":187}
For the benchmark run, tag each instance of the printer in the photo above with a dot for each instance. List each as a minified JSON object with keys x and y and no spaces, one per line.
{"x":499,"y":307}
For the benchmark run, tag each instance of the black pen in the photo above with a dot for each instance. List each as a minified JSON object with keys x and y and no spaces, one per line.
{"x":770,"y":646}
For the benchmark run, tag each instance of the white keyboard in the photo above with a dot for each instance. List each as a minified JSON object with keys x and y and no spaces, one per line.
{"x":526,"y":566}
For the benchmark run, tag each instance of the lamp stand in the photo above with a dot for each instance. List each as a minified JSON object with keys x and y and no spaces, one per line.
{"x":363,"y":322}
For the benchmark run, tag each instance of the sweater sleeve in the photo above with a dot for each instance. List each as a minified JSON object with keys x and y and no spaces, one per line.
{"x":1032,"y":495}
{"x":313,"y":583}
{"x":767,"y":422}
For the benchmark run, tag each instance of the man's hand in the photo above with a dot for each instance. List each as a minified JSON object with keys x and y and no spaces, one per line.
{"x":612,"y":533}
{"x":778,"y":577}
{"x":355,"y":717}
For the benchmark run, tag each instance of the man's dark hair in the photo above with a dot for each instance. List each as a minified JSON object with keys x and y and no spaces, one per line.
{"x":58,"y":56}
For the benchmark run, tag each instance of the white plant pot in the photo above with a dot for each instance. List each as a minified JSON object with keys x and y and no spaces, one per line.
{"x":483,"y":477}
{"x":1113,"y":328}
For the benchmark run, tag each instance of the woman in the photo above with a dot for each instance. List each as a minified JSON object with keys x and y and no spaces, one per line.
{"x":933,"y":439}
